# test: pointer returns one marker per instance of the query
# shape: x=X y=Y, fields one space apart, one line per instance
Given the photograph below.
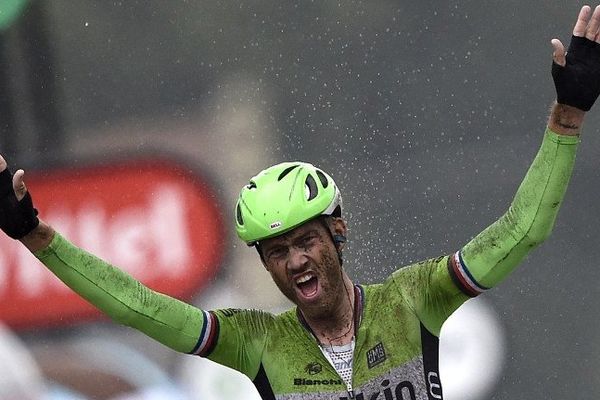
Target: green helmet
x=282 y=197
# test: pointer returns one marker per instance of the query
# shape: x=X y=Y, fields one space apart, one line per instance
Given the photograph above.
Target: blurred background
x=427 y=114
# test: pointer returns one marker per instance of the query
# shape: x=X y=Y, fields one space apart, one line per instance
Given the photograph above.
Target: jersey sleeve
x=435 y=288
x=121 y=297
x=489 y=257
x=234 y=338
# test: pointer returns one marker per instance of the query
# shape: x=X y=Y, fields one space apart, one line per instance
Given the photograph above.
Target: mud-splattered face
x=304 y=265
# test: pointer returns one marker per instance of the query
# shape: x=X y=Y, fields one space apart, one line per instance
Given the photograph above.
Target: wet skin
x=304 y=265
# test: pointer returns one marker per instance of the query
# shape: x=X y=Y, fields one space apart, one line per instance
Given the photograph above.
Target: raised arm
x=491 y=255
x=168 y=320
x=231 y=338
x=494 y=253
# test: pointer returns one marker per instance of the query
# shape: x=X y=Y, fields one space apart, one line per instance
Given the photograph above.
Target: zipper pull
x=350 y=394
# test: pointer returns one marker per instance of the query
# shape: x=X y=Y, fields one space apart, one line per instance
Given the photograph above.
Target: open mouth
x=308 y=285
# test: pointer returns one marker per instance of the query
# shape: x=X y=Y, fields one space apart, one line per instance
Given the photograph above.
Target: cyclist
x=341 y=340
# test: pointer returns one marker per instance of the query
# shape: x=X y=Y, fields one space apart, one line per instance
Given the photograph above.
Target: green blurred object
x=10 y=10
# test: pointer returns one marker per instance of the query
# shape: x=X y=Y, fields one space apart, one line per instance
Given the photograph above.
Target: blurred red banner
x=155 y=219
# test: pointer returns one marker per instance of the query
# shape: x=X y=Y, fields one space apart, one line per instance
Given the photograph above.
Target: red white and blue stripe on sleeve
x=208 y=335
x=462 y=277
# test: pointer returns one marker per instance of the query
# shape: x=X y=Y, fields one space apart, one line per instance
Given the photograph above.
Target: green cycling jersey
x=397 y=322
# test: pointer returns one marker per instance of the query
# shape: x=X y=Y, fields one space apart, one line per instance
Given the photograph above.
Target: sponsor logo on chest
x=376 y=355
x=315 y=368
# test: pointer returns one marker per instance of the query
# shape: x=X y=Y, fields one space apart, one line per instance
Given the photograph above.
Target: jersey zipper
x=350 y=391
x=349 y=386
x=358 y=310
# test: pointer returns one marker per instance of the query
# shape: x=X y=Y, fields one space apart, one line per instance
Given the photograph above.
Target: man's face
x=305 y=266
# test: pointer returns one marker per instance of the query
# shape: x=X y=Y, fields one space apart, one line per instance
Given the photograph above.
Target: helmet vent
x=323 y=179
x=286 y=171
x=251 y=185
x=238 y=215
x=311 y=188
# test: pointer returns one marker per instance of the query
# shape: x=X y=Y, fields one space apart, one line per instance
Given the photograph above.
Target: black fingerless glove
x=578 y=82
x=17 y=218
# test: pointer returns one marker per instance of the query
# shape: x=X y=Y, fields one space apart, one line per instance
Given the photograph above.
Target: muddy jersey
x=396 y=343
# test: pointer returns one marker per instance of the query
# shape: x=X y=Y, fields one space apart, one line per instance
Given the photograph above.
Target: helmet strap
x=257 y=247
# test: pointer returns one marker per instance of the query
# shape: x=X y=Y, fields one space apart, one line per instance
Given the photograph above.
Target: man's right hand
x=18 y=217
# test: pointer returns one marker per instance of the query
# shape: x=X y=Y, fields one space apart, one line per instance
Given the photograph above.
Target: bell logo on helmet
x=275 y=225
